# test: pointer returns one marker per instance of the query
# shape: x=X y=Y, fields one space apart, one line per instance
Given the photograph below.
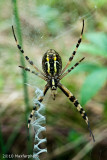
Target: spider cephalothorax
x=52 y=74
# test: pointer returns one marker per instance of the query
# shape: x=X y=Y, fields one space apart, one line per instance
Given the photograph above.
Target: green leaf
x=89 y=67
x=98 y=44
x=92 y=49
x=93 y=84
x=99 y=39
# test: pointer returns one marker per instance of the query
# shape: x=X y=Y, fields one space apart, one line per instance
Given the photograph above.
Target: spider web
x=38 y=40
x=39 y=35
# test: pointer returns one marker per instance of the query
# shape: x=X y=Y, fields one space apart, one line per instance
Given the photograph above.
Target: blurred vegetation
x=54 y=24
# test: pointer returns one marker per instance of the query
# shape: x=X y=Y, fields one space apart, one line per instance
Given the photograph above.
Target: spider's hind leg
x=77 y=105
x=40 y=99
x=37 y=74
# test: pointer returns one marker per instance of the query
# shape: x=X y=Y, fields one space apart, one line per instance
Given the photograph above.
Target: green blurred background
x=56 y=24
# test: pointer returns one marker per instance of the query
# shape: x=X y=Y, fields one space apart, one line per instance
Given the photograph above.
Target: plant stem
x=24 y=75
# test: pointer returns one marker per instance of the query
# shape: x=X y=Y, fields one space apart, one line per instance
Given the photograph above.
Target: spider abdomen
x=51 y=63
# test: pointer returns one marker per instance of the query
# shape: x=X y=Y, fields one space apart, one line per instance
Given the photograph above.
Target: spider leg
x=22 y=51
x=69 y=70
x=77 y=105
x=74 y=52
x=37 y=74
x=40 y=99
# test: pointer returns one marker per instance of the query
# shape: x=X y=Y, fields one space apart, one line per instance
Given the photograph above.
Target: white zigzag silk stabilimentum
x=37 y=124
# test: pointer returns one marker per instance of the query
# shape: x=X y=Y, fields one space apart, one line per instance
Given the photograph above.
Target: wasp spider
x=52 y=74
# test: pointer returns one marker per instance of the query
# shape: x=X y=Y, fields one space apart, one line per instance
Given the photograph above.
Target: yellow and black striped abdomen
x=51 y=63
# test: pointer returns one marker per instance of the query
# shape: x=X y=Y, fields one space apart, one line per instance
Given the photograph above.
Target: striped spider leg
x=40 y=99
x=69 y=70
x=35 y=73
x=26 y=57
x=74 y=52
x=77 y=105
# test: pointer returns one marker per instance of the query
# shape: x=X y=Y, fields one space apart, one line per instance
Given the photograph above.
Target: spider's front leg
x=40 y=99
x=26 y=57
x=74 y=52
x=77 y=105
